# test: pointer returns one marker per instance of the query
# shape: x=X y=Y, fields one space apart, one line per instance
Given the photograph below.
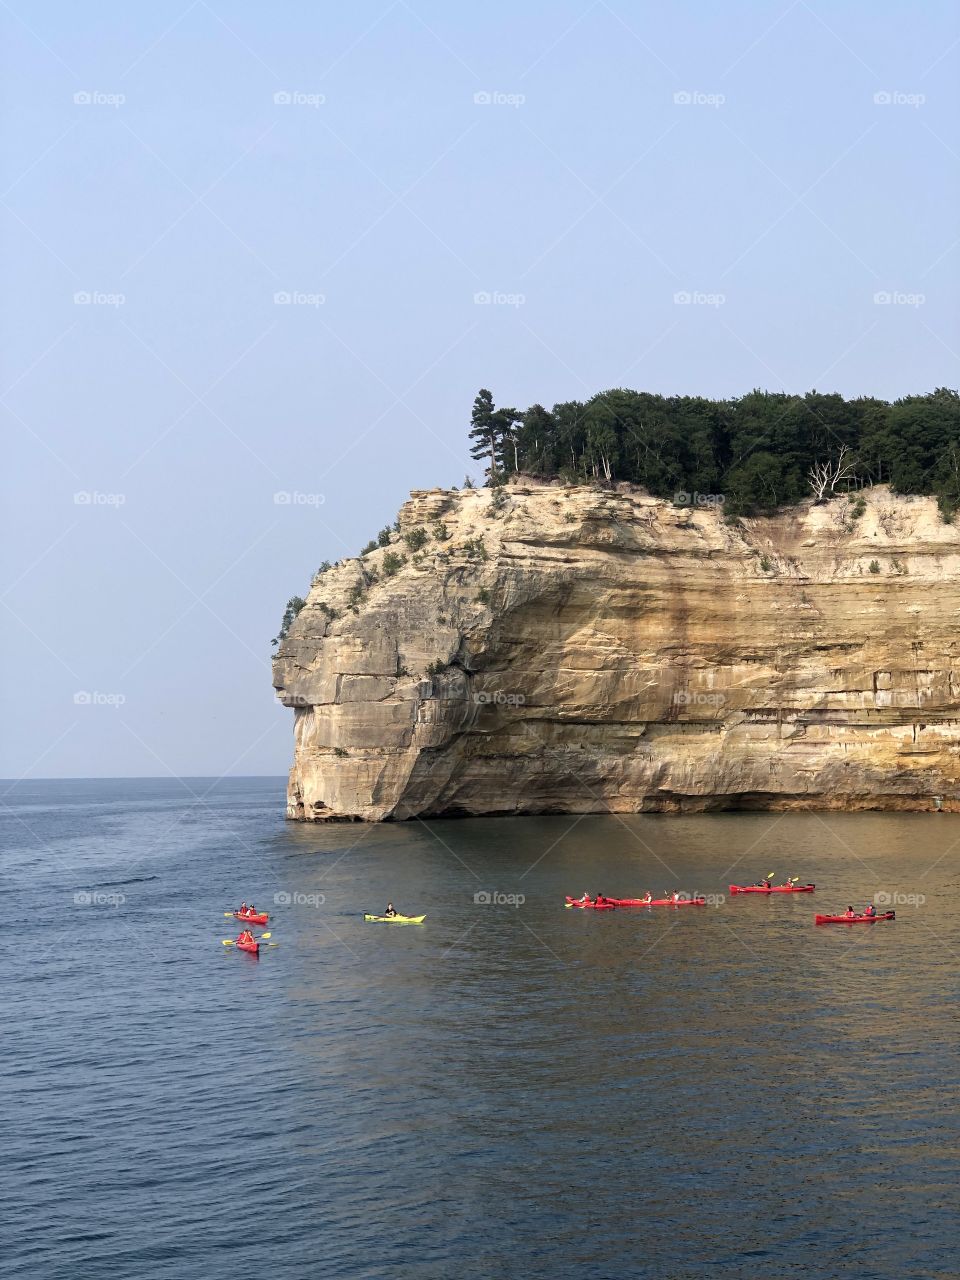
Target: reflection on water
x=513 y=1089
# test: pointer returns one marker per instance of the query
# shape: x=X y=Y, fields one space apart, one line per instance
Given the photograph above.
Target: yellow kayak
x=396 y=919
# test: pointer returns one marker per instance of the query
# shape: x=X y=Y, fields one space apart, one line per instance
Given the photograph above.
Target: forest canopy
x=764 y=450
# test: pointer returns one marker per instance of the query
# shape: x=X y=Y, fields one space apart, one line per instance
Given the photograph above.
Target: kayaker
x=243 y=908
x=586 y=897
x=251 y=910
x=599 y=900
x=850 y=913
x=870 y=909
x=391 y=910
x=245 y=936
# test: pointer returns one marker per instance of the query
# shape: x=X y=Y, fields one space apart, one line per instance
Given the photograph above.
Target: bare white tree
x=823 y=477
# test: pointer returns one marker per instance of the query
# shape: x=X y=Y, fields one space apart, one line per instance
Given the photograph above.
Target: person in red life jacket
x=870 y=909
x=251 y=910
x=850 y=913
x=599 y=900
x=648 y=896
x=245 y=936
x=586 y=897
x=243 y=909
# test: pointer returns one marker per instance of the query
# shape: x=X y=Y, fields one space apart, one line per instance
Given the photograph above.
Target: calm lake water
x=508 y=1091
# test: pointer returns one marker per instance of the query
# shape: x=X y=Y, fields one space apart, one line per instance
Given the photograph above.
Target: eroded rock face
x=577 y=650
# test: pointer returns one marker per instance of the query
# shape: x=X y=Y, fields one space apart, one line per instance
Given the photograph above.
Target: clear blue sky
x=583 y=191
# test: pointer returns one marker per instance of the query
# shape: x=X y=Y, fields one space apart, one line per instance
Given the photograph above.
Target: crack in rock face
x=577 y=650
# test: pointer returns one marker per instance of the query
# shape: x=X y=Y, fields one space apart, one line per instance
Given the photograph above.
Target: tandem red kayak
x=636 y=902
x=252 y=947
x=261 y=917
x=884 y=915
x=773 y=888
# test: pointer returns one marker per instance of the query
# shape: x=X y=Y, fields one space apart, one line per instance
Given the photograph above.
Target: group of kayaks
x=248 y=917
x=600 y=902
x=245 y=941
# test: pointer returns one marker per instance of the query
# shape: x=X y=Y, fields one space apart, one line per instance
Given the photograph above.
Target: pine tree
x=484 y=426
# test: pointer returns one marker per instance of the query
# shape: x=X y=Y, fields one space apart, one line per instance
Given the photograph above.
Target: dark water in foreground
x=509 y=1091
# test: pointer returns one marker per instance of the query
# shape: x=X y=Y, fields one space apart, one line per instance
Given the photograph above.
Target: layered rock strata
x=574 y=650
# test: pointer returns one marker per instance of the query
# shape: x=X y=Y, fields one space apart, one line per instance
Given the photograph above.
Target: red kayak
x=883 y=915
x=261 y=917
x=253 y=947
x=773 y=888
x=636 y=902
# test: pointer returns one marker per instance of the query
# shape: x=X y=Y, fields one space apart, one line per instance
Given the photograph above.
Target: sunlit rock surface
x=573 y=650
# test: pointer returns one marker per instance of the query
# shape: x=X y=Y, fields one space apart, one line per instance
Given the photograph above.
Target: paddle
x=770 y=876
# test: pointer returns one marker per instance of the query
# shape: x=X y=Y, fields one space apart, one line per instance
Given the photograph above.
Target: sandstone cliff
x=576 y=650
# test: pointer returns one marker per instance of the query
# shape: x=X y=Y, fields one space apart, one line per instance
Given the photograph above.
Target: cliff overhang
x=552 y=649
